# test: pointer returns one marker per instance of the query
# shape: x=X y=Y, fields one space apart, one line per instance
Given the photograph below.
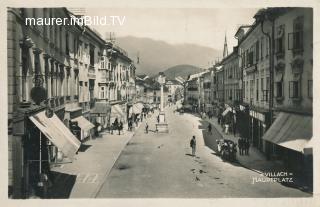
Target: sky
x=205 y=27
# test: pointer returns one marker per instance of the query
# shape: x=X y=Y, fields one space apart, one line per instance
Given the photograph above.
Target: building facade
x=254 y=51
x=53 y=71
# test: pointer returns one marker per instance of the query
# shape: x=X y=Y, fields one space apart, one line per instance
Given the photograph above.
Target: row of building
x=263 y=88
x=63 y=82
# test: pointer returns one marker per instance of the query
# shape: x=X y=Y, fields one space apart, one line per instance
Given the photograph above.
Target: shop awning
x=226 y=111
x=116 y=111
x=101 y=108
x=83 y=123
x=291 y=131
x=57 y=133
x=137 y=108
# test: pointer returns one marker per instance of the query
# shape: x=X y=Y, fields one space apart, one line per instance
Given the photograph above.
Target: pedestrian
x=158 y=118
x=210 y=128
x=240 y=146
x=146 y=127
x=129 y=125
x=247 y=146
x=193 y=144
x=120 y=127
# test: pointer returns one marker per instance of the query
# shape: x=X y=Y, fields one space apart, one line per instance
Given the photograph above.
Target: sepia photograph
x=193 y=103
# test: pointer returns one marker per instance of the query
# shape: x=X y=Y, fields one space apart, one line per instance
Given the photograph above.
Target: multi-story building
x=42 y=72
x=254 y=55
x=195 y=91
x=207 y=81
x=52 y=72
x=173 y=87
x=287 y=139
x=116 y=84
x=232 y=78
x=219 y=83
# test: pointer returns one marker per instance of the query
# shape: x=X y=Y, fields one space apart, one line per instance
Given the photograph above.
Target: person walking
x=120 y=127
x=247 y=146
x=193 y=144
x=240 y=146
x=210 y=128
x=146 y=127
x=158 y=118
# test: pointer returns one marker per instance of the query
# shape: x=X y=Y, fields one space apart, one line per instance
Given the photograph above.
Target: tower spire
x=225 y=47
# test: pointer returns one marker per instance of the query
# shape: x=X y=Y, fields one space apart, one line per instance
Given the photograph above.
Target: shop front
x=259 y=123
x=287 y=140
x=243 y=121
x=102 y=113
x=35 y=129
x=84 y=126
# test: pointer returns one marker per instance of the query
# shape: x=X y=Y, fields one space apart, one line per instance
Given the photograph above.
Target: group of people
x=116 y=125
x=243 y=145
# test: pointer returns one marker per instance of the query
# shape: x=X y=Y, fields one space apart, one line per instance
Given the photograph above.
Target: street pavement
x=160 y=165
x=84 y=175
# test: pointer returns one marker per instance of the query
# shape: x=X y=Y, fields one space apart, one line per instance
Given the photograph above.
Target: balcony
x=251 y=69
x=61 y=100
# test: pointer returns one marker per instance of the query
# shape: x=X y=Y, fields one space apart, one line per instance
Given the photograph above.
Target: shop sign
x=257 y=115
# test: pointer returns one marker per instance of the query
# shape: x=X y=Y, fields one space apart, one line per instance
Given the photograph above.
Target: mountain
x=181 y=70
x=156 y=56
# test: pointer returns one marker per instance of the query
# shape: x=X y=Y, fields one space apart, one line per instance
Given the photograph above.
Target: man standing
x=247 y=146
x=146 y=127
x=240 y=145
x=193 y=144
x=210 y=128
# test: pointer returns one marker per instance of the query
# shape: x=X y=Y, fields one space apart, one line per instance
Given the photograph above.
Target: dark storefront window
x=294 y=89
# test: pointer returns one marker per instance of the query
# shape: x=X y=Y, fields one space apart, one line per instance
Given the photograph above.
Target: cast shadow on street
x=84 y=147
x=62 y=185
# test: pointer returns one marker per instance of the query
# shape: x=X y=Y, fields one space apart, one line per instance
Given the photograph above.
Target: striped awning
x=83 y=123
x=291 y=131
x=57 y=133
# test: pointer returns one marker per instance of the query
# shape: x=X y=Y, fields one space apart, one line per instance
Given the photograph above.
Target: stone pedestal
x=162 y=126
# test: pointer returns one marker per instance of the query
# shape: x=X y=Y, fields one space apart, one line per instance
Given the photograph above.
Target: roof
x=173 y=82
x=197 y=75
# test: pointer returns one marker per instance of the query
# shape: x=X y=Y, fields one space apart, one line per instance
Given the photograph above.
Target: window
x=102 y=93
x=265 y=95
x=310 y=87
x=295 y=39
x=261 y=48
x=267 y=47
x=294 y=91
x=279 y=89
x=60 y=38
x=251 y=90
x=250 y=57
x=67 y=43
x=91 y=56
x=257 y=90
x=268 y=83
x=280 y=40
x=257 y=51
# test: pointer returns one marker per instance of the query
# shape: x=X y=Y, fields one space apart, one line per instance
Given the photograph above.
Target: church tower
x=225 y=47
